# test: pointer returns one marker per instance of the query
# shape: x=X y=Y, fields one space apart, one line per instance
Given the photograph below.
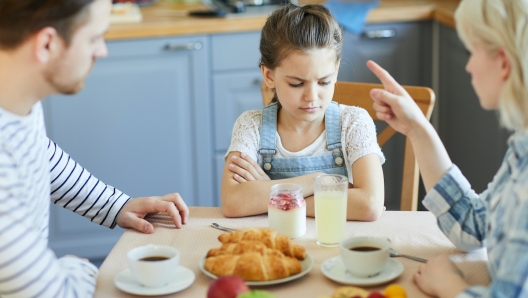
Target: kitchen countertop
x=161 y=19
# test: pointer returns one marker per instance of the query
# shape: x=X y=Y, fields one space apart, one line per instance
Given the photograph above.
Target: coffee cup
x=153 y=265
x=365 y=256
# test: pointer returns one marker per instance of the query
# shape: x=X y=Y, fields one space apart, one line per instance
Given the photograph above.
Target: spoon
x=394 y=253
x=217 y=226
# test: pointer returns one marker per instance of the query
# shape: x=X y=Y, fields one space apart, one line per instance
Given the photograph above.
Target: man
x=48 y=47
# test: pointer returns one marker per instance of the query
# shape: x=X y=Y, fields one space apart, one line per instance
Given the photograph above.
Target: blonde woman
x=496 y=34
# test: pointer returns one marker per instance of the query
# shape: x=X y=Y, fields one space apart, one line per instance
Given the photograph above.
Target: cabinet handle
x=257 y=82
x=183 y=47
x=376 y=34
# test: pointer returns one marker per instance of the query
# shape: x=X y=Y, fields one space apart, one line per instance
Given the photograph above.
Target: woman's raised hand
x=393 y=104
x=246 y=169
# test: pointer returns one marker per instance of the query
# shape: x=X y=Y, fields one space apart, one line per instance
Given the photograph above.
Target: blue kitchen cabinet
x=141 y=124
x=471 y=135
x=234 y=94
x=237 y=84
x=404 y=49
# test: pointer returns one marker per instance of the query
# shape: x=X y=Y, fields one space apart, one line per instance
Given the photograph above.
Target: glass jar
x=287 y=210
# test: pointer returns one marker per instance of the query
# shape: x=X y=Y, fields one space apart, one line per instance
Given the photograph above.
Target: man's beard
x=66 y=87
x=70 y=89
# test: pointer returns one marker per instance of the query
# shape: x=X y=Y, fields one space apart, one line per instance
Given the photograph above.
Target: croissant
x=242 y=247
x=269 y=237
x=253 y=266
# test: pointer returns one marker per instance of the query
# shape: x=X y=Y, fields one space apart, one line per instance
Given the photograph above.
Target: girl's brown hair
x=298 y=28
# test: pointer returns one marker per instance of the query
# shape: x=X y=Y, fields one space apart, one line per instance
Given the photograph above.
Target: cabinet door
x=133 y=127
x=235 y=51
x=234 y=93
x=472 y=136
x=219 y=163
x=403 y=49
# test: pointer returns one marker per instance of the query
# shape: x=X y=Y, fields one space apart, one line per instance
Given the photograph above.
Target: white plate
x=306 y=264
x=334 y=269
x=126 y=283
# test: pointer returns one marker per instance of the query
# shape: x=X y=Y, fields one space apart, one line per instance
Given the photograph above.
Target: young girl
x=495 y=32
x=302 y=134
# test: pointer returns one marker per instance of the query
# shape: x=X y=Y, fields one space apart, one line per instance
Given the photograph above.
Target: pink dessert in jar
x=287 y=210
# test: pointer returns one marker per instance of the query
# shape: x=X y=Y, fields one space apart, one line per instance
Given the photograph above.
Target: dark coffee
x=364 y=248
x=154 y=259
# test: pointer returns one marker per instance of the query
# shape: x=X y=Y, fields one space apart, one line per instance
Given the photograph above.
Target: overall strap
x=333 y=132
x=268 y=131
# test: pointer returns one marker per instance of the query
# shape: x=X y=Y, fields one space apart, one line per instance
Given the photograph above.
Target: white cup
x=153 y=273
x=361 y=261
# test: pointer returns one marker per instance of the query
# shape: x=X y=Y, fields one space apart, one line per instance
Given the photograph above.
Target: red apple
x=228 y=286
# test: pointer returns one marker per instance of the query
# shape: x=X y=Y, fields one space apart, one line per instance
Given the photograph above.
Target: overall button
x=339 y=161
x=267 y=166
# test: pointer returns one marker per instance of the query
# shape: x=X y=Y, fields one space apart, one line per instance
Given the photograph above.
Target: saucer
x=335 y=270
x=126 y=283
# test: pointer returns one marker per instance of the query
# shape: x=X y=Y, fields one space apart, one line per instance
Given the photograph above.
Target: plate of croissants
x=261 y=256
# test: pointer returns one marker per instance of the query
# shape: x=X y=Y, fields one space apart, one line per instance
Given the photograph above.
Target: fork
x=217 y=226
x=394 y=253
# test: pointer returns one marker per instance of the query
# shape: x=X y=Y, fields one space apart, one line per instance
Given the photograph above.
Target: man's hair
x=19 y=19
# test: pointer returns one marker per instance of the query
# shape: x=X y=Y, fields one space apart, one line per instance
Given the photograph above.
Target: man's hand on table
x=132 y=214
x=440 y=277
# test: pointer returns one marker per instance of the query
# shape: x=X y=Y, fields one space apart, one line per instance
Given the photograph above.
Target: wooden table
x=414 y=233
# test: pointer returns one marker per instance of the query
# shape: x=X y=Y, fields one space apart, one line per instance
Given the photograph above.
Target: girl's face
x=304 y=82
x=488 y=73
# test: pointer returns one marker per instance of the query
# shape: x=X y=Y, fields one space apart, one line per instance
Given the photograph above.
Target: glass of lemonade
x=331 y=195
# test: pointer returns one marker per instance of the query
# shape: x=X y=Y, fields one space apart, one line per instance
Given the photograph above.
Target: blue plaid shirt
x=497 y=219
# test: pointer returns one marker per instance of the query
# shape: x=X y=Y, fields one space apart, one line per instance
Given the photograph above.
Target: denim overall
x=281 y=168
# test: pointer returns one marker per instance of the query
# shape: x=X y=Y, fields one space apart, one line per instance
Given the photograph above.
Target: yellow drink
x=330 y=217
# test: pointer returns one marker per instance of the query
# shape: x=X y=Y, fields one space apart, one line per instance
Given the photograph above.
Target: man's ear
x=505 y=64
x=267 y=74
x=47 y=44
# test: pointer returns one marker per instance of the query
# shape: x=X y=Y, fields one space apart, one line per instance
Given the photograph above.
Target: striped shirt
x=497 y=219
x=33 y=171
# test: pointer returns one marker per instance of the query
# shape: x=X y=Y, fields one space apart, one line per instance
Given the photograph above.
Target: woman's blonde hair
x=501 y=24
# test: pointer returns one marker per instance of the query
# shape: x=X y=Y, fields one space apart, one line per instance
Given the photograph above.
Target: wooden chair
x=358 y=94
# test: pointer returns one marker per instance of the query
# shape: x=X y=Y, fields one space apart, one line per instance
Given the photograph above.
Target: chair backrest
x=358 y=94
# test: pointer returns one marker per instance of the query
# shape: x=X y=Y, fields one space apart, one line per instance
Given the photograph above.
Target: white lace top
x=358 y=137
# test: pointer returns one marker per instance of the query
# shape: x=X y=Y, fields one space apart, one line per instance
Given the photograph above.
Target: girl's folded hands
x=246 y=169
